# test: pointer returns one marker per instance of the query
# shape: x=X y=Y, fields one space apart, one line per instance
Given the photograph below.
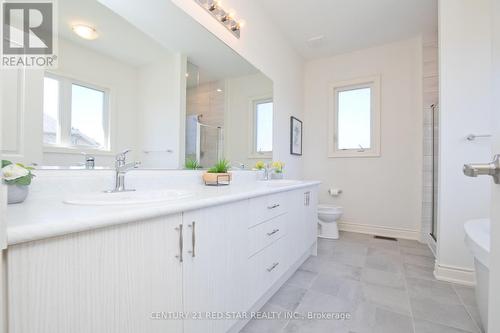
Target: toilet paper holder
x=334 y=192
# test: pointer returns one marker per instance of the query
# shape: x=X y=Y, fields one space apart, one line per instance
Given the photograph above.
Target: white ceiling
x=164 y=28
x=117 y=38
x=348 y=25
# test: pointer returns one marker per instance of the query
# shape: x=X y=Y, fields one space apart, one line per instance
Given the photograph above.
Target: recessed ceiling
x=348 y=25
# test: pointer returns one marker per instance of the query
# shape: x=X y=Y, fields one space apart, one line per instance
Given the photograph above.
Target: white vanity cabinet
x=214 y=265
x=103 y=280
x=137 y=277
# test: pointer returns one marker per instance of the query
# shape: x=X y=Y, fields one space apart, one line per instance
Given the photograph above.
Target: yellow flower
x=260 y=165
x=278 y=166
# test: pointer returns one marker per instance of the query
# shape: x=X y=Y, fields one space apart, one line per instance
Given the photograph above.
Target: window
x=262 y=127
x=354 y=119
x=75 y=114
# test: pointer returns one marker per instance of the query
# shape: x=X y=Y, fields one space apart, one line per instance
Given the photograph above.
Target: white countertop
x=50 y=217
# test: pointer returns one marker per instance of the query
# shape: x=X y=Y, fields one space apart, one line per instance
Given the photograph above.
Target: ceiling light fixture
x=226 y=18
x=85 y=31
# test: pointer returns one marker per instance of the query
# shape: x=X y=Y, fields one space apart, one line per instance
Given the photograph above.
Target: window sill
x=256 y=156
x=353 y=153
x=76 y=151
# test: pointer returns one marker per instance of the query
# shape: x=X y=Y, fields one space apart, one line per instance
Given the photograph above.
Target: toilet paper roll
x=334 y=192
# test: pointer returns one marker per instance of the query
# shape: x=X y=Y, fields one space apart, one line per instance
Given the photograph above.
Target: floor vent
x=386 y=238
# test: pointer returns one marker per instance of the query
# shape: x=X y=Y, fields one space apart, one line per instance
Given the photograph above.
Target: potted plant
x=192 y=164
x=18 y=178
x=218 y=174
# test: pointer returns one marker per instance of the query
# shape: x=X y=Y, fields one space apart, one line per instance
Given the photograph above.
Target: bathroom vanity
x=196 y=264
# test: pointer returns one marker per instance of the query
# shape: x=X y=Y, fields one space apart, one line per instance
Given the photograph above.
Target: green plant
x=192 y=164
x=220 y=167
x=16 y=174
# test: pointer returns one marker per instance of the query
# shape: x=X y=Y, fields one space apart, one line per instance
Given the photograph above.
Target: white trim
x=453 y=274
x=372 y=82
x=380 y=230
x=252 y=153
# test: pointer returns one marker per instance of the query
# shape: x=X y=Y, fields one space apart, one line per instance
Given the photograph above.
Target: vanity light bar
x=224 y=17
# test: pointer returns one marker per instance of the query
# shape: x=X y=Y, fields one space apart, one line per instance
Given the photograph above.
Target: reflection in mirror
x=228 y=117
x=123 y=85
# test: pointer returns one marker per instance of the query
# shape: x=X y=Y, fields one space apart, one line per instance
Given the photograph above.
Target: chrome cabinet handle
x=273 y=232
x=181 y=245
x=273 y=206
x=270 y=269
x=193 y=239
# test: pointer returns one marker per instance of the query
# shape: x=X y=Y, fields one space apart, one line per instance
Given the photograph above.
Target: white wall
x=241 y=92
x=160 y=113
x=383 y=193
x=494 y=319
x=465 y=83
x=86 y=65
x=264 y=46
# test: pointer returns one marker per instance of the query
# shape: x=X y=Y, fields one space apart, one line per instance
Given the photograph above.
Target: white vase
x=17 y=193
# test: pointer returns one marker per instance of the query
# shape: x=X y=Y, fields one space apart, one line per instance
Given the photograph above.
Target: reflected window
x=87 y=117
x=51 y=130
x=75 y=114
x=263 y=126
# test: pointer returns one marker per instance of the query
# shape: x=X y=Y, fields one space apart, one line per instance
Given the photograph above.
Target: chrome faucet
x=89 y=162
x=268 y=170
x=121 y=168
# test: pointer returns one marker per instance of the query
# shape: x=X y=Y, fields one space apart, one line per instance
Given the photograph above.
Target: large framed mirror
x=168 y=92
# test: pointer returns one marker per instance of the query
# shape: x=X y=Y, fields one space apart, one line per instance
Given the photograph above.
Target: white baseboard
x=457 y=275
x=380 y=231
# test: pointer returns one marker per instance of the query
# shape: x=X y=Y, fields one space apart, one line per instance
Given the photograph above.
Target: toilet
x=328 y=217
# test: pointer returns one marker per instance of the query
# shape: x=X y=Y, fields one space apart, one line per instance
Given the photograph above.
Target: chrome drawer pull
x=270 y=269
x=181 y=245
x=273 y=206
x=193 y=239
x=273 y=232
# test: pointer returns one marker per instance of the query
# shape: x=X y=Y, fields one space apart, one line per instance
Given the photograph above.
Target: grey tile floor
x=386 y=286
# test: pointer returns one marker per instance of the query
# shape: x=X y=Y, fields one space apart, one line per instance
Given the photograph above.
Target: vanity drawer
x=266 y=267
x=266 y=207
x=264 y=234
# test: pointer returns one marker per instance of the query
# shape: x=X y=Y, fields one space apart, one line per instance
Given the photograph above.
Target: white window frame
x=253 y=153
x=372 y=82
x=64 y=112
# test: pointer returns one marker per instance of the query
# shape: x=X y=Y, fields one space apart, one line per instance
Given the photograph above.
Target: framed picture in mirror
x=295 y=136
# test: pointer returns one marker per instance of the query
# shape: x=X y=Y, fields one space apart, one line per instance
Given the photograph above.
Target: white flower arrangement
x=16 y=173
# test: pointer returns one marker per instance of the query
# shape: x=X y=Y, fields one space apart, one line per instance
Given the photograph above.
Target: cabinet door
x=213 y=266
x=111 y=280
x=303 y=222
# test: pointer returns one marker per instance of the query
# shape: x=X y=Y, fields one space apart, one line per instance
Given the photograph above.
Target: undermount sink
x=128 y=198
x=281 y=182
